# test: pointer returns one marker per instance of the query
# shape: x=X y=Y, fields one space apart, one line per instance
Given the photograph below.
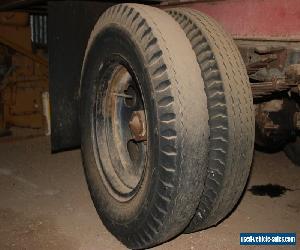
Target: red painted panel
x=256 y=18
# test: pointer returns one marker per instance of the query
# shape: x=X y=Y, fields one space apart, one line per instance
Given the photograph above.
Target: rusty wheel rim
x=123 y=133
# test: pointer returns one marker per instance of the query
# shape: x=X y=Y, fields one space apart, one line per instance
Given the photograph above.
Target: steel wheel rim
x=123 y=163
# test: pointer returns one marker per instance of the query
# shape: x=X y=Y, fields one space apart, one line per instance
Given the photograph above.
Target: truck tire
x=292 y=151
x=144 y=125
x=231 y=116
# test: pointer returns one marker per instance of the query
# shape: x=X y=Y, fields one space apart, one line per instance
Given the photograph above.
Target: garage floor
x=45 y=203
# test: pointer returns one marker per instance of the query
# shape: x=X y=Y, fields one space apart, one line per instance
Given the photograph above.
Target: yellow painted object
x=23 y=75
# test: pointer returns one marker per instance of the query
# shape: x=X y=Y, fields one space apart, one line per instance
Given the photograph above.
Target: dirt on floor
x=45 y=203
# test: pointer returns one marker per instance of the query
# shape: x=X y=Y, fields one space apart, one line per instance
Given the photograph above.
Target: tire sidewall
x=120 y=218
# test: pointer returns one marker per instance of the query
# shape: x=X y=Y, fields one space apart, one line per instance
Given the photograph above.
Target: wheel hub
x=137 y=125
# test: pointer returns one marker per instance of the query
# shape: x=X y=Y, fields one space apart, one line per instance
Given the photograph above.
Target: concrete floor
x=45 y=203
